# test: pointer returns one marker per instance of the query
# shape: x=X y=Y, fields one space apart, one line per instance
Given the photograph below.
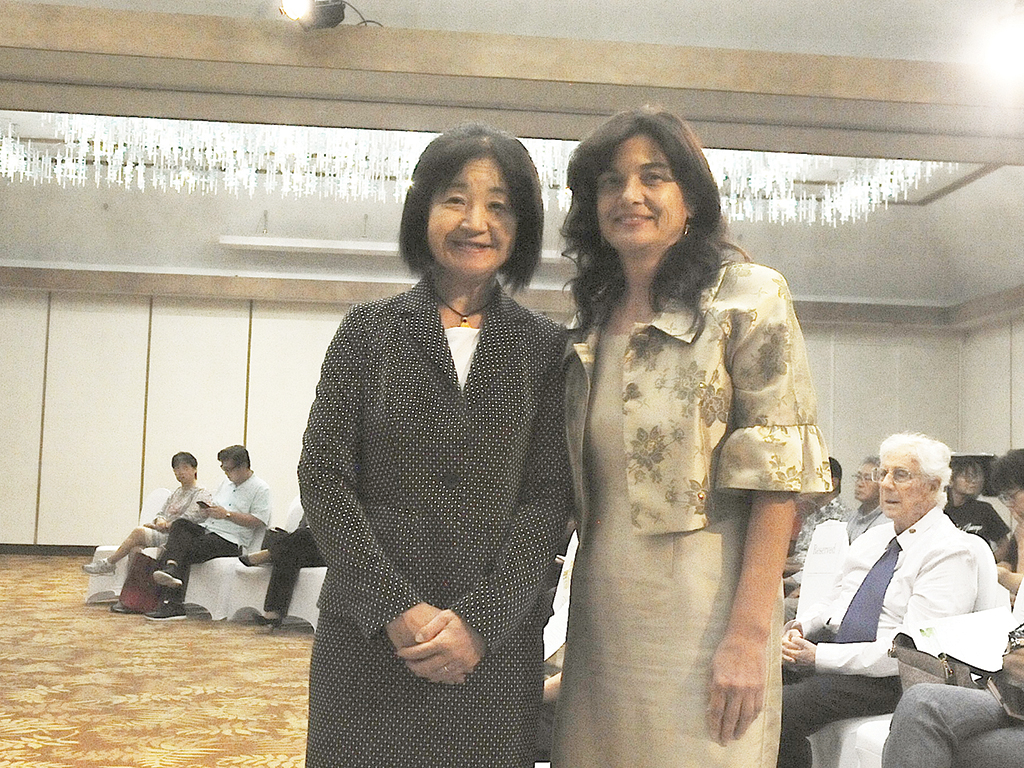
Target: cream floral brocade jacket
x=715 y=405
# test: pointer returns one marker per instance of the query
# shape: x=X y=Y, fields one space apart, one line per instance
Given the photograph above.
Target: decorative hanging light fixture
x=199 y=157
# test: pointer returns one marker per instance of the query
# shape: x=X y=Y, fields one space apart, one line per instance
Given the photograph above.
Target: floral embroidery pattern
x=646 y=454
x=780 y=475
x=715 y=405
x=646 y=348
x=771 y=356
x=726 y=406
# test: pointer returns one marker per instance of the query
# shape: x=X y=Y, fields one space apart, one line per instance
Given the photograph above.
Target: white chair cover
x=555 y=629
x=210 y=584
x=991 y=594
x=825 y=556
x=106 y=587
x=294 y=514
x=870 y=739
x=307 y=592
x=835 y=745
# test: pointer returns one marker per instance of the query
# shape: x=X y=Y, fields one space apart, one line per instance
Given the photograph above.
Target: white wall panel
x=22 y=362
x=820 y=355
x=197 y=385
x=929 y=385
x=1016 y=384
x=288 y=346
x=92 y=428
x=867 y=402
x=881 y=381
x=985 y=392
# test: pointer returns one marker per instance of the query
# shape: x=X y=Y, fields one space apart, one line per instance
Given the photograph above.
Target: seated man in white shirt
x=914 y=568
x=241 y=508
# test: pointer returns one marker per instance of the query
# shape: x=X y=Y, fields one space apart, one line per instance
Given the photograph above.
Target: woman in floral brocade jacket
x=691 y=423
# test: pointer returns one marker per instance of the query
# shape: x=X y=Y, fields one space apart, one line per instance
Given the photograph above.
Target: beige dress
x=647 y=613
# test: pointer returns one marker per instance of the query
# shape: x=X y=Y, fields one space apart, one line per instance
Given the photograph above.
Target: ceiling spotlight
x=1004 y=52
x=315 y=14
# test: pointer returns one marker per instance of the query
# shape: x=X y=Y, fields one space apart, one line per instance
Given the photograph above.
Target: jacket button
x=450 y=480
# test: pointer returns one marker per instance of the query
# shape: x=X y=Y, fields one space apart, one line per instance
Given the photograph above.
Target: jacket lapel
x=501 y=345
x=423 y=324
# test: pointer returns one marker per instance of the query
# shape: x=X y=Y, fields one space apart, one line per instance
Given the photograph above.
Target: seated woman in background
x=963 y=507
x=1008 y=479
x=181 y=503
x=287 y=555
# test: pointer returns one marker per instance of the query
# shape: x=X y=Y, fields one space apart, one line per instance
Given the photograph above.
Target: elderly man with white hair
x=914 y=568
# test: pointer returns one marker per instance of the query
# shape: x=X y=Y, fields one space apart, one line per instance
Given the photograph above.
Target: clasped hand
x=797 y=651
x=436 y=645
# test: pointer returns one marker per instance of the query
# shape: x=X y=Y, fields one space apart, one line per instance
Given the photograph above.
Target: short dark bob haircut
x=184 y=457
x=1008 y=472
x=441 y=162
x=689 y=266
x=236 y=454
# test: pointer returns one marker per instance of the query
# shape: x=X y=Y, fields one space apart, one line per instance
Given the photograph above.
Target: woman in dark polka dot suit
x=435 y=480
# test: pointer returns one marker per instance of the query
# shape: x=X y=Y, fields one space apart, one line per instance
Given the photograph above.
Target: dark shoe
x=168 y=577
x=167 y=612
x=120 y=607
x=266 y=621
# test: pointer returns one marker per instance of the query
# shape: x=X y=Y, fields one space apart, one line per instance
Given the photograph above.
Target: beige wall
x=116 y=384
x=22 y=370
x=197 y=385
x=100 y=390
x=288 y=346
x=95 y=397
x=992 y=398
x=873 y=381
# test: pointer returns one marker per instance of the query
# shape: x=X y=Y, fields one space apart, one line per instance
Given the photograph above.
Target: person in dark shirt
x=964 y=508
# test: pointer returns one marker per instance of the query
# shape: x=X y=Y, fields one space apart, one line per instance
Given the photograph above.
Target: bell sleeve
x=775 y=444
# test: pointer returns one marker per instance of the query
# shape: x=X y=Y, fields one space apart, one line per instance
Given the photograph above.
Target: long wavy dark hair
x=689 y=266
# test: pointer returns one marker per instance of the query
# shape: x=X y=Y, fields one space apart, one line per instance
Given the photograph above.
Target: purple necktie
x=860 y=624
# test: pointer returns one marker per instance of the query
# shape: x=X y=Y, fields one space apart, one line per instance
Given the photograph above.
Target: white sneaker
x=99 y=567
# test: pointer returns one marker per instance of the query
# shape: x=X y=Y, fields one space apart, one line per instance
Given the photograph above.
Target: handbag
x=1003 y=686
x=140 y=593
x=919 y=667
x=1009 y=694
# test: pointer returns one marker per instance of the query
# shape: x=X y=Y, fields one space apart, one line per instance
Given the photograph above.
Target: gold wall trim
x=553 y=302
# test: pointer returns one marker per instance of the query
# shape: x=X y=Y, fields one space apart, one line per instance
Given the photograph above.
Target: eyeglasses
x=864 y=477
x=900 y=476
x=1008 y=497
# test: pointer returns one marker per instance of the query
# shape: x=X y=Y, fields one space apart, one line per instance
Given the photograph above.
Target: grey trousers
x=941 y=726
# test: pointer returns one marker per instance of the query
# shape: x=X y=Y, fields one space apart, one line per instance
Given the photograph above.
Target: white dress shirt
x=936 y=575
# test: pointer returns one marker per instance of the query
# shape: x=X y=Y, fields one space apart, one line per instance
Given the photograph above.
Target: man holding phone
x=240 y=510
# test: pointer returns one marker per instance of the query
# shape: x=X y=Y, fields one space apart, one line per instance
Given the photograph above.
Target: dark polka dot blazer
x=419 y=492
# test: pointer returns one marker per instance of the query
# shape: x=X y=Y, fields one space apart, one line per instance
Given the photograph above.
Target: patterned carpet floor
x=81 y=687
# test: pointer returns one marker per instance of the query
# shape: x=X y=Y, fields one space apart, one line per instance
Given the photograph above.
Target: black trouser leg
x=288 y=556
x=820 y=699
x=189 y=543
